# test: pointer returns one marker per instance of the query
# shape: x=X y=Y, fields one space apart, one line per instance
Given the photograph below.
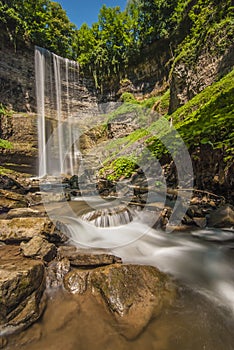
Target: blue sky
x=80 y=11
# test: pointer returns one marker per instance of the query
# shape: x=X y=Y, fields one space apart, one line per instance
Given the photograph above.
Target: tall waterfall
x=57 y=84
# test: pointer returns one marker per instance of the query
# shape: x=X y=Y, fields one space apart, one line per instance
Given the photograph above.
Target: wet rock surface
x=222 y=217
x=24 y=212
x=8 y=183
x=82 y=257
x=11 y=200
x=23 y=229
x=3 y=342
x=56 y=271
x=22 y=283
x=39 y=248
x=132 y=293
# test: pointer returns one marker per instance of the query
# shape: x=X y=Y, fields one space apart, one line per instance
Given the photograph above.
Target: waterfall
x=109 y=217
x=57 y=85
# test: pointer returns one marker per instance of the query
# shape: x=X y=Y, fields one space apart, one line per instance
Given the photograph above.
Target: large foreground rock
x=22 y=283
x=23 y=229
x=133 y=293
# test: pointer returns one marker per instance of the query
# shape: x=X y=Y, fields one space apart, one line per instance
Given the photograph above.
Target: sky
x=81 y=11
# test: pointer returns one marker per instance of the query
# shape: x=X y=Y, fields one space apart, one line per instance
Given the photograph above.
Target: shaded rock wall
x=17 y=83
x=188 y=79
x=21 y=130
x=212 y=173
x=146 y=74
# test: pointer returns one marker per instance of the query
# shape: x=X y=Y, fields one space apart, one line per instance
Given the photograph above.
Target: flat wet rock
x=82 y=257
x=39 y=248
x=11 y=200
x=24 y=212
x=23 y=229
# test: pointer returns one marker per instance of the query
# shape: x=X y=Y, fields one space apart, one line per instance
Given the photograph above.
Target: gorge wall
x=21 y=130
x=17 y=83
x=189 y=78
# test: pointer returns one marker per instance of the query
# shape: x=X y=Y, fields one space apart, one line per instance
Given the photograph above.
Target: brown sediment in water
x=80 y=322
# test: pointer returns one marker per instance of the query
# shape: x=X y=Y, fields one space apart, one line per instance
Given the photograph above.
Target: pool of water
x=70 y=322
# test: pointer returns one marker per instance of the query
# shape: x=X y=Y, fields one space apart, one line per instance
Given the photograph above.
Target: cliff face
x=21 y=130
x=187 y=79
x=17 y=83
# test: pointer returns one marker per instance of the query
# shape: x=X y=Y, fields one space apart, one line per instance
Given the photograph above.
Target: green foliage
x=3 y=110
x=128 y=97
x=118 y=37
x=211 y=24
x=42 y=22
x=5 y=171
x=123 y=110
x=5 y=144
x=121 y=167
x=205 y=119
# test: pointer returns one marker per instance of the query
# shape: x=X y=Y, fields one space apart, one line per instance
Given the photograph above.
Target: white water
x=205 y=266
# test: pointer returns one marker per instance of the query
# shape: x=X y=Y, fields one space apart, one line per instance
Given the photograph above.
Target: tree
x=42 y=22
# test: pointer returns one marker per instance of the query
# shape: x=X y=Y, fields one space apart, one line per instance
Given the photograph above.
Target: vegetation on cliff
x=206 y=119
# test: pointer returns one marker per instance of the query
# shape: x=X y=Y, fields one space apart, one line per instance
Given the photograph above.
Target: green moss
x=128 y=97
x=211 y=31
x=121 y=167
x=5 y=144
x=5 y=171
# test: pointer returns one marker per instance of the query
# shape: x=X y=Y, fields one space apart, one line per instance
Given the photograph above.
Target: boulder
x=7 y=183
x=221 y=217
x=132 y=293
x=24 y=212
x=23 y=229
x=83 y=258
x=11 y=200
x=39 y=248
x=200 y=222
x=22 y=283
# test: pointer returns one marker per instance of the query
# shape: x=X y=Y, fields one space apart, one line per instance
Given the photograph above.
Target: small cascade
x=57 y=85
x=109 y=217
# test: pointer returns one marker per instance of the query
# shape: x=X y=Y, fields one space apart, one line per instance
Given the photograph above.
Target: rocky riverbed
x=37 y=258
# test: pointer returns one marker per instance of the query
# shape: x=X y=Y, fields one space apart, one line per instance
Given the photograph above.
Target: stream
x=199 y=261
